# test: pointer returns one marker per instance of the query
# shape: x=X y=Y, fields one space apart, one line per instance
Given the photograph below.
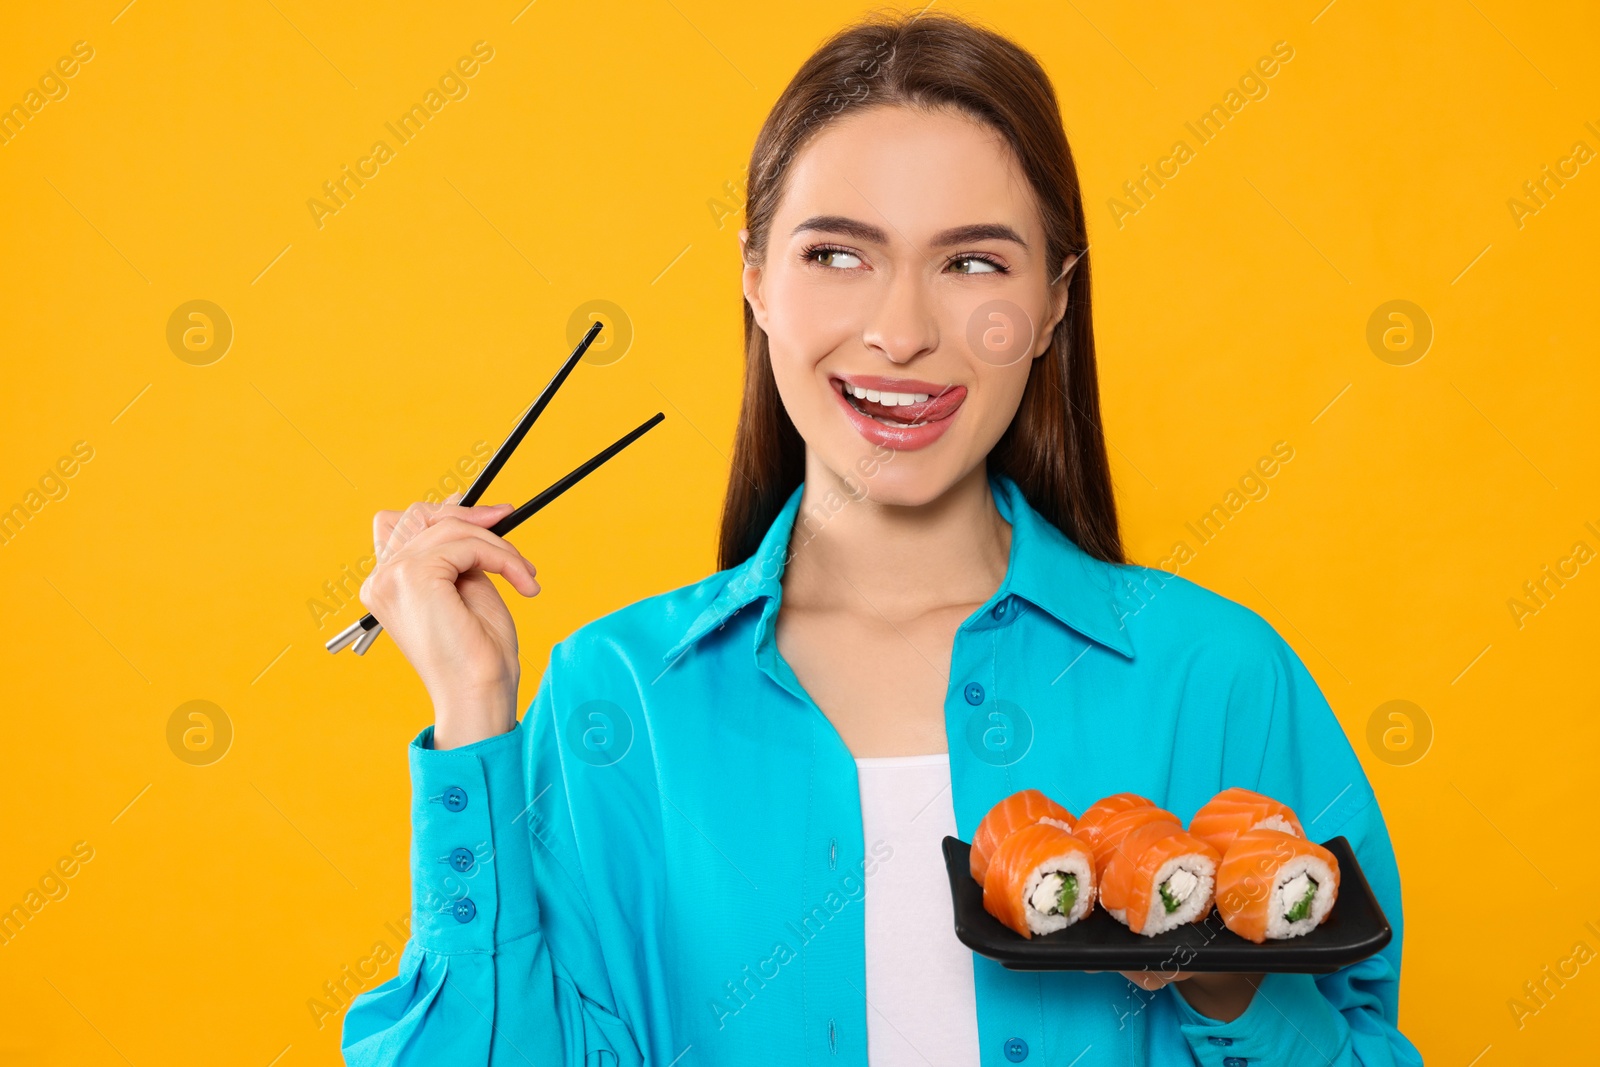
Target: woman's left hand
x=1223 y=997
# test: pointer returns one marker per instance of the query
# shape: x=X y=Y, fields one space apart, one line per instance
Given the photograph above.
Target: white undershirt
x=921 y=1009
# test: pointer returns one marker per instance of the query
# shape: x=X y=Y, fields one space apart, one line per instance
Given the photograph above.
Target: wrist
x=463 y=718
x=1223 y=997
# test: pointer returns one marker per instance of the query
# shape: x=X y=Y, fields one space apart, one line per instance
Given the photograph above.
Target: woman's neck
x=903 y=561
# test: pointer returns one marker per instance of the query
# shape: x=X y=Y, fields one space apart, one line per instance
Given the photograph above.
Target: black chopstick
x=361 y=632
x=578 y=474
x=525 y=423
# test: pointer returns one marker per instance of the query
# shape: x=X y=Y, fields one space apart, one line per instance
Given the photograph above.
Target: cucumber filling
x=1055 y=894
x=1069 y=894
x=1176 y=889
x=1302 y=907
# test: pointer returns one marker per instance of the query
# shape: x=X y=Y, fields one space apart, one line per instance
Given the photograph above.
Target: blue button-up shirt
x=667 y=856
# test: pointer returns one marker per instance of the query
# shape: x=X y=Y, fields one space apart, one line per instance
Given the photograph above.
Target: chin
x=899 y=479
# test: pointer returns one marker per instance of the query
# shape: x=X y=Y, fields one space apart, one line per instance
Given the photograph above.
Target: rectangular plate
x=1354 y=930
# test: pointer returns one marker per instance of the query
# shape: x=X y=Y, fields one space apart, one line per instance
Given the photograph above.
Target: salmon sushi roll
x=1020 y=809
x=1160 y=878
x=1095 y=816
x=1040 y=880
x=1233 y=811
x=1274 y=885
x=1114 y=829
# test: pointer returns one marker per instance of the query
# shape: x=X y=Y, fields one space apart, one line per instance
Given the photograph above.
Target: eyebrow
x=956 y=235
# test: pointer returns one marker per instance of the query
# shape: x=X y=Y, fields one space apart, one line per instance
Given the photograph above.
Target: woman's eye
x=974 y=265
x=834 y=257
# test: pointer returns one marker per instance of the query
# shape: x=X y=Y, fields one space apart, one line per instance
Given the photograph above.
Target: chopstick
x=364 y=631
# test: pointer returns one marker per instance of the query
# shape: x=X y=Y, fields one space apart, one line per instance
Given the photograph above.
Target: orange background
x=598 y=155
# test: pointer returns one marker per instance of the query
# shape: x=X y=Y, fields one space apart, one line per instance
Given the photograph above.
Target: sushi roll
x=1091 y=822
x=1160 y=878
x=1010 y=815
x=1274 y=885
x=1040 y=880
x=1233 y=811
x=1114 y=829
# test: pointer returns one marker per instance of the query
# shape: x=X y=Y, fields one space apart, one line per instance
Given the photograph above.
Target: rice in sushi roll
x=1041 y=879
x=1274 y=885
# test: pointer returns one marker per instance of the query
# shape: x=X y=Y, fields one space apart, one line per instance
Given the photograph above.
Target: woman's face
x=905 y=293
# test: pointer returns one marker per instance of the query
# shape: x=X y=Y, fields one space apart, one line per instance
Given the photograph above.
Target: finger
x=391 y=530
x=467 y=554
x=449 y=529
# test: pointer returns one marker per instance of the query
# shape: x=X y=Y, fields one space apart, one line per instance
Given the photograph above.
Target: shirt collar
x=1046 y=569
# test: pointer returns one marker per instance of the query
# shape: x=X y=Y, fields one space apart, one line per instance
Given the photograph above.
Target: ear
x=1058 y=303
x=752 y=282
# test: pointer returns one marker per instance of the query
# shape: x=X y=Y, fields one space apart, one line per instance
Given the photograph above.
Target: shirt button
x=461 y=859
x=1000 y=610
x=455 y=798
x=1016 y=1050
x=1235 y=1061
x=974 y=693
x=464 y=910
x=1220 y=1040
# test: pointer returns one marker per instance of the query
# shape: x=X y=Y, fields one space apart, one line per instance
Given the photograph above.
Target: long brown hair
x=1054 y=448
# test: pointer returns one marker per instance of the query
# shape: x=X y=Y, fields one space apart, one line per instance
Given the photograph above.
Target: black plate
x=1353 y=931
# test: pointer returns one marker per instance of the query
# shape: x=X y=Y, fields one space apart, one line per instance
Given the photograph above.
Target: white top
x=921 y=1009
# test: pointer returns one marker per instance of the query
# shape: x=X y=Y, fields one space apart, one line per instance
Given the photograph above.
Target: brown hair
x=1054 y=448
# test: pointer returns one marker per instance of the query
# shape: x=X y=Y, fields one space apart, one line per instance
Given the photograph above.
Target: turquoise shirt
x=663 y=863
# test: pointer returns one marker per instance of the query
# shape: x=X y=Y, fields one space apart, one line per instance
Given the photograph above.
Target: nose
x=902 y=326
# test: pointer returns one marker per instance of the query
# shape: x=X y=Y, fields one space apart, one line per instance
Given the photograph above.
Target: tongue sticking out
x=937 y=406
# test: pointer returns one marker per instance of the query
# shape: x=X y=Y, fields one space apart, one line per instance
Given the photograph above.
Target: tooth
x=906 y=398
x=890 y=400
x=920 y=398
x=874 y=396
x=860 y=393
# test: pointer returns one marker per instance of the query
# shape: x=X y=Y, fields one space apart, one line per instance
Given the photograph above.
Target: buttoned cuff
x=471 y=866
x=1288 y=1021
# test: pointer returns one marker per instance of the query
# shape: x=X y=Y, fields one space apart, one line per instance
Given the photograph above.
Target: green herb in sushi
x=1170 y=902
x=1302 y=907
x=1069 y=894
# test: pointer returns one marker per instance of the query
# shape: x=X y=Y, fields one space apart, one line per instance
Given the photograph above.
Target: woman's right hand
x=431 y=591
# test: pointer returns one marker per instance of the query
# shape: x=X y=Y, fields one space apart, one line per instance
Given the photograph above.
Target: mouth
x=900 y=402
x=901 y=413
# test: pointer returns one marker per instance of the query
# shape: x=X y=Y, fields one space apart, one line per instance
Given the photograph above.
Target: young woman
x=714 y=837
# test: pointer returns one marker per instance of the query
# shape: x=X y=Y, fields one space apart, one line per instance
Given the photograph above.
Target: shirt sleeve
x=478 y=981
x=1352 y=1015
